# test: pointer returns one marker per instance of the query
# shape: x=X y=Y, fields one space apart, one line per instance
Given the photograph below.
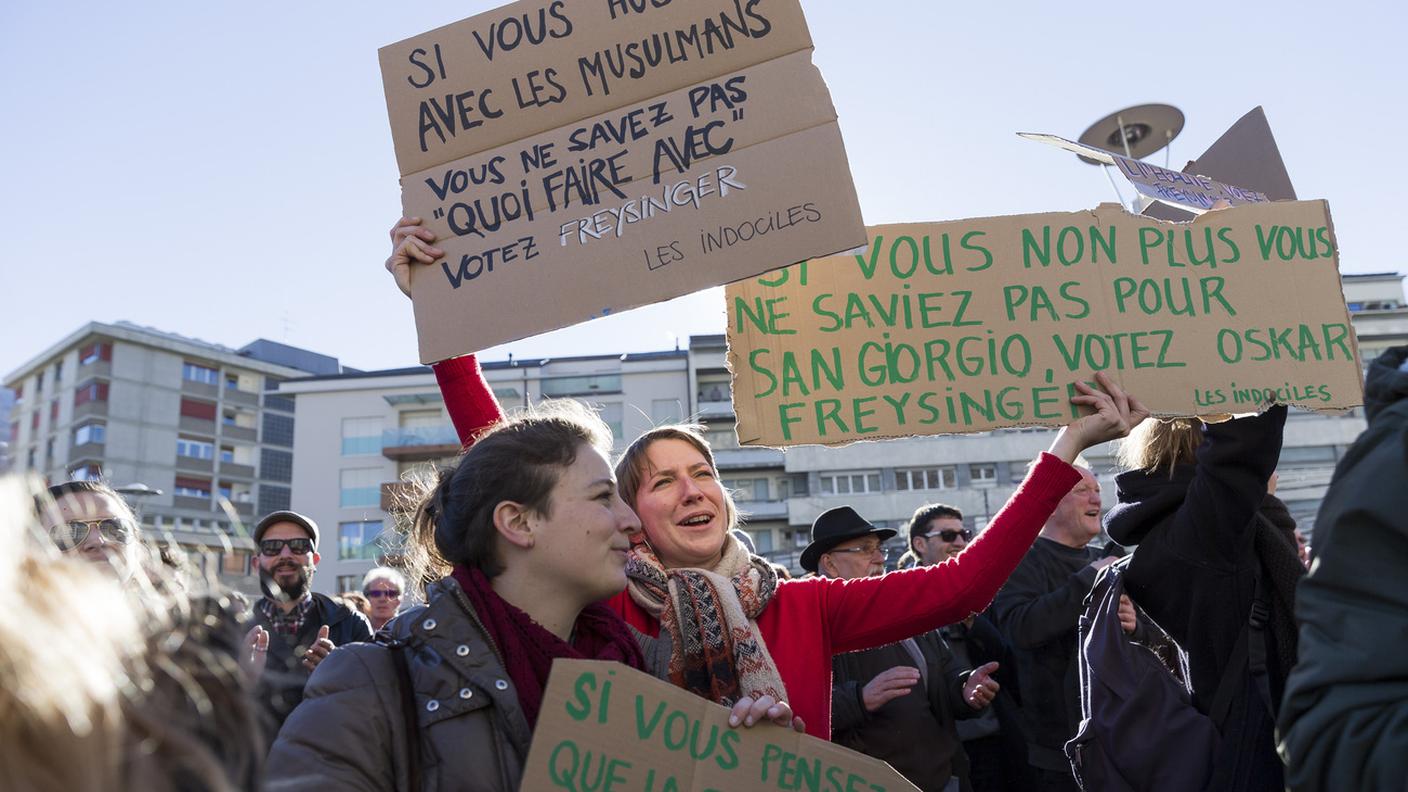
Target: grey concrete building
x=191 y=431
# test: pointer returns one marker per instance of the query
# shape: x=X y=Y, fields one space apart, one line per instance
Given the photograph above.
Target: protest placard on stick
x=605 y=726
x=979 y=324
x=576 y=160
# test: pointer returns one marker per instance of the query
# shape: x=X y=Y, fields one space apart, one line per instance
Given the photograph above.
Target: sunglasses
x=114 y=530
x=879 y=550
x=949 y=535
x=272 y=547
x=379 y=593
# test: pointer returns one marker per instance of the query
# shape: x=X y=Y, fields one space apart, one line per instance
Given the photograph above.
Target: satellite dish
x=1134 y=132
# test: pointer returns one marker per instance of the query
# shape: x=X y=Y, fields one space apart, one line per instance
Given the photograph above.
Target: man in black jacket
x=1037 y=610
x=1346 y=703
x=299 y=628
x=897 y=702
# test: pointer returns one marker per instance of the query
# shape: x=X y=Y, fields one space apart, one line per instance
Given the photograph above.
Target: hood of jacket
x=1146 y=499
x=1386 y=383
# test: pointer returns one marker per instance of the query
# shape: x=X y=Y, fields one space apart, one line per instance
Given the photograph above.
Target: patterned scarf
x=529 y=649
x=711 y=615
x=290 y=623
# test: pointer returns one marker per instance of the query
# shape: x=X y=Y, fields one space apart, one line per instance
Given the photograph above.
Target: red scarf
x=529 y=649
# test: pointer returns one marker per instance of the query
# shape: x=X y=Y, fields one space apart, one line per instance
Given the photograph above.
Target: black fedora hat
x=834 y=526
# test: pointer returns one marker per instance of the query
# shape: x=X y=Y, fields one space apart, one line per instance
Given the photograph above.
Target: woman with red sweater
x=736 y=628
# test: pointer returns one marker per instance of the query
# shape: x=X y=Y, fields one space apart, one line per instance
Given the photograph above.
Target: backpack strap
x=399 y=649
x=1248 y=654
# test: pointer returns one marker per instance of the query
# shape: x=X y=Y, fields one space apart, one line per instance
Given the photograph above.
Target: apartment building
x=188 y=430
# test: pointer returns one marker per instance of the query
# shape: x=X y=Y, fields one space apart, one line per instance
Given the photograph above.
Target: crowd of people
x=970 y=669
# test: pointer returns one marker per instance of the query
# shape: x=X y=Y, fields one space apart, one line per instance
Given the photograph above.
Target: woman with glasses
x=91 y=521
x=687 y=568
x=382 y=587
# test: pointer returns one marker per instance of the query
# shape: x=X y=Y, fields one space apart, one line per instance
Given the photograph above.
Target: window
x=48 y=452
x=983 y=475
x=273 y=498
x=201 y=410
x=748 y=489
x=90 y=392
x=94 y=352
x=713 y=388
x=762 y=541
x=192 y=487
x=849 y=483
x=358 y=540
x=346 y=583
x=932 y=478
x=80 y=473
x=721 y=436
x=54 y=410
x=360 y=487
x=361 y=436
x=273 y=401
x=278 y=429
x=665 y=411
x=612 y=414
x=39 y=383
x=235 y=562
x=232 y=382
x=90 y=433
x=227 y=454
x=32 y=459
x=224 y=489
x=581 y=386
x=195 y=449
x=275 y=465
x=192 y=372
x=58 y=373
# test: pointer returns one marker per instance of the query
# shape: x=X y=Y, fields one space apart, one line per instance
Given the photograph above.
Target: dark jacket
x=1344 y=723
x=1194 y=573
x=280 y=687
x=350 y=732
x=1037 y=610
x=974 y=646
x=915 y=732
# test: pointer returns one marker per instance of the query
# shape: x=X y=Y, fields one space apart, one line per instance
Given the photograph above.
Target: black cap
x=834 y=526
x=306 y=523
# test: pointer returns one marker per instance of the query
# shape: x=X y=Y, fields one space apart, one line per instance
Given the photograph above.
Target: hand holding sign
x=410 y=242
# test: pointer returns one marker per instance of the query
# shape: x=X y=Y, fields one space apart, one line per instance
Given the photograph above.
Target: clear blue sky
x=224 y=170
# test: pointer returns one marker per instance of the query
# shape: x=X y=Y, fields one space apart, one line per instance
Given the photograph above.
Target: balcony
x=85 y=452
x=756 y=510
x=98 y=368
x=420 y=443
x=198 y=426
x=191 y=503
x=741 y=458
x=88 y=409
x=236 y=396
x=201 y=389
x=234 y=470
x=194 y=464
x=233 y=432
x=586 y=385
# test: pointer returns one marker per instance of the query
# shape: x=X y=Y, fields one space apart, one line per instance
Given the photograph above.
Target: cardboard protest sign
x=1161 y=184
x=605 y=727
x=979 y=324
x=576 y=160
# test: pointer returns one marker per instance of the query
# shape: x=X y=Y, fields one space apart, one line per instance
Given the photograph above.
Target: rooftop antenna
x=1136 y=132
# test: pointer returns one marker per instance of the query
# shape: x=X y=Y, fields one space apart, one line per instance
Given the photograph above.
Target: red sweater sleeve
x=874 y=611
x=467 y=395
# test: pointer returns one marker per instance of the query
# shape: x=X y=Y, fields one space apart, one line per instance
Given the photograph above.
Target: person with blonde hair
x=1217 y=568
x=106 y=683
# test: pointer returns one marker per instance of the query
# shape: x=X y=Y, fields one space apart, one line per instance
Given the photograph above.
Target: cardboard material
x=980 y=324
x=577 y=160
x=1185 y=189
x=605 y=727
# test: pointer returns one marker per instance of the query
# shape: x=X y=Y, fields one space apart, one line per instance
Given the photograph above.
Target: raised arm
x=869 y=612
x=468 y=397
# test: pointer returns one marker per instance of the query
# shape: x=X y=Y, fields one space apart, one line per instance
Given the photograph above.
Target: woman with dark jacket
x=533 y=535
x=1211 y=542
